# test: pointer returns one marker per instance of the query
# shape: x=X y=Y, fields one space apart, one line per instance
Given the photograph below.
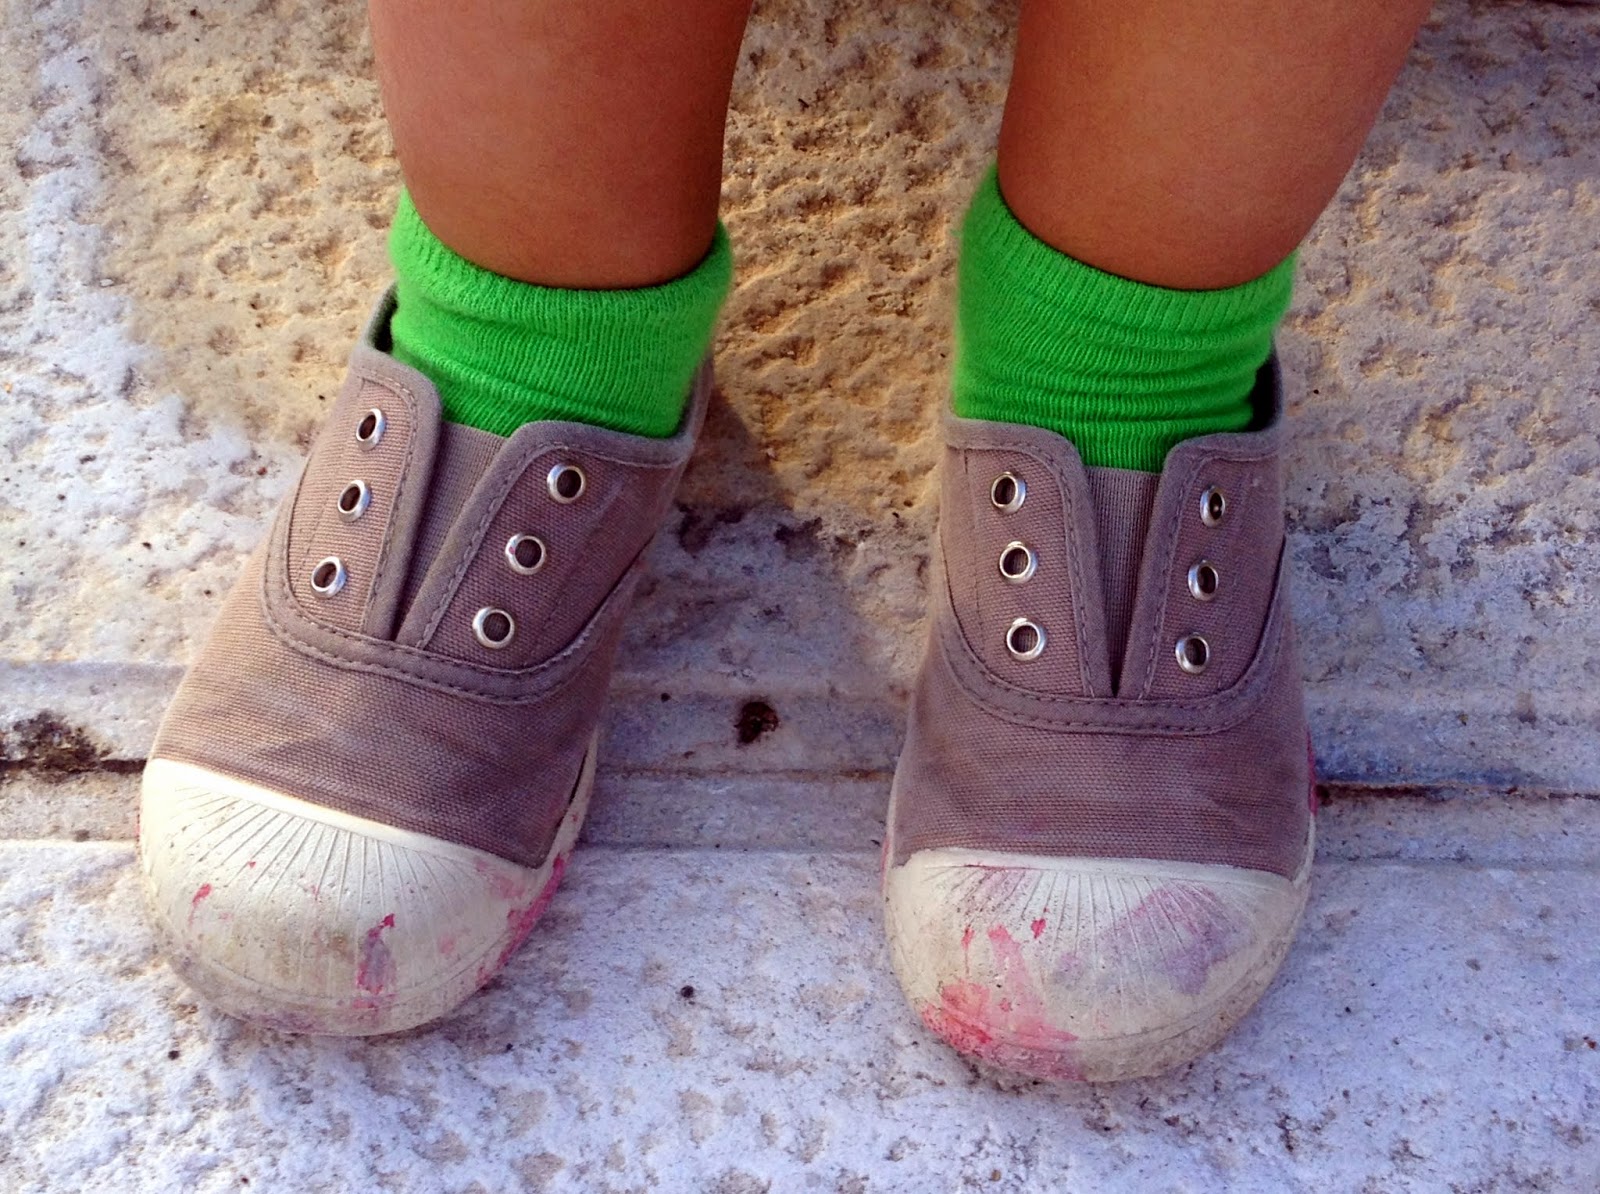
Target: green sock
x=1123 y=369
x=503 y=353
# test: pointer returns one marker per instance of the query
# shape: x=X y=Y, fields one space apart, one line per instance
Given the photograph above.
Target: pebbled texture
x=195 y=226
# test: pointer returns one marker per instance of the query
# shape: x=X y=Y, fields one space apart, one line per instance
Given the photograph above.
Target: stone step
x=725 y=1020
x=645 y=810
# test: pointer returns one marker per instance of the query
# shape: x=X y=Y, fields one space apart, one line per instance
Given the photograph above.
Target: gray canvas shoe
x=364 y=793
x=1100 y=832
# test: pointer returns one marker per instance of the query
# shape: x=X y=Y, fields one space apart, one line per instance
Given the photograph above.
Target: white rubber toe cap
x=1081 y=968
x=306 y=919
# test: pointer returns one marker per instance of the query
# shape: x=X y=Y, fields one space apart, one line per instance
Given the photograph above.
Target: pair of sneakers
x=367 y=787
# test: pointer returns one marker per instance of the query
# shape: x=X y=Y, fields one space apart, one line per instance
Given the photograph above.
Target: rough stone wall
x=194 y=230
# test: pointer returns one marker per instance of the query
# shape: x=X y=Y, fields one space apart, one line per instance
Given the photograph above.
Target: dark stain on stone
x=686 y=992
x=47 y=746
x=800 y=541
x=699 y=525
x=1523 y=707
x=755 y=720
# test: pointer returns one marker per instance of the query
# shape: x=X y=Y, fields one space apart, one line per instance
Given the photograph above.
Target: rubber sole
x=304 y=919
x=1085 y=969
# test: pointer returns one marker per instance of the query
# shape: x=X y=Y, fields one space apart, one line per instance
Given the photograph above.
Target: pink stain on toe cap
x=959 y=1016
x=1038 y=928
x=1005 y=1022
x=375 y=969
x=520 y=921
x=200 y=893
x=971 y=1021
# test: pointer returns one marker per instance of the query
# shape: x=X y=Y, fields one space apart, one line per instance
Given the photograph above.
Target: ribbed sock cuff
x=503 y=353
x=1124 y=369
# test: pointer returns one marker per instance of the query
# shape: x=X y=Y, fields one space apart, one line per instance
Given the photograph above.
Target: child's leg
x=577 y=148
x=570 y=145
x=1159 y=163
x=1100 y=832
x=1191 y=145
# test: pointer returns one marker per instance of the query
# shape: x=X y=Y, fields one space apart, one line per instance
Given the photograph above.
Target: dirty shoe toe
x=1100 y=831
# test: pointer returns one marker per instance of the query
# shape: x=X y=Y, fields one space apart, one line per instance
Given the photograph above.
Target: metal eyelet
x=1193 y=653
x=1008 y=492
x=493 y=628
x=1017 y=562
x=328 y=577
x=525 y=553
x=1203 y=581
x=371 y=428
x=1025 y=640
x=1213 y=505
x=354 y=499
x=566 y=483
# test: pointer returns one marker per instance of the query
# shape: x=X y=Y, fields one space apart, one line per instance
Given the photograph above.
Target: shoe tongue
x=464 y=455
x=1123 y=501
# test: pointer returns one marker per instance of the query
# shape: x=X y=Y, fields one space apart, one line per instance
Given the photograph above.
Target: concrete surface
x=695 y=1015
x=189 y=239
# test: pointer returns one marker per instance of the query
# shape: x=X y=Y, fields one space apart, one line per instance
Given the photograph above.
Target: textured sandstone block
x=195 y=227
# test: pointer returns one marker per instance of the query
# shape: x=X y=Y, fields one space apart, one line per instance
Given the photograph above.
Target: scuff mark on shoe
x=1005 y=1023
x=965 y=1020
x=501 y=885
x=375 y=969
x=200 y=893
x=1193 y=930
x=958 y=1015
x=1030 y=1020
x=1068 y=970
x=291 y=1022
x=522 y=920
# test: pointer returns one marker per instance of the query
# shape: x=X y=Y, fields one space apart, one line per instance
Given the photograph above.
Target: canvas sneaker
x=1101 y=827
x=365 y=790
